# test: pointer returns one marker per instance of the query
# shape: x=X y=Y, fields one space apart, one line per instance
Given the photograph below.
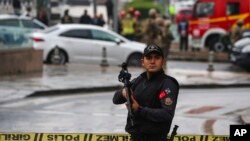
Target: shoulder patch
x=162 y=94
x=168 y=101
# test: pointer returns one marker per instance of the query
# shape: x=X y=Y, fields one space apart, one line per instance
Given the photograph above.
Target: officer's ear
x=142 y=61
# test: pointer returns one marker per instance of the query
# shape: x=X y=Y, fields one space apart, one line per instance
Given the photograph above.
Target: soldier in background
x=138 y=28
x=236 y=32
x=167 y=38
x=66 y=17
x=152 y=30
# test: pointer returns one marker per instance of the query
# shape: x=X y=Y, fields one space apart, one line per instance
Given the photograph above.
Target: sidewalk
x=202 y=55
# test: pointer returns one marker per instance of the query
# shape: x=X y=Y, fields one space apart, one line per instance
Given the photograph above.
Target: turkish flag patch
x=162 y=94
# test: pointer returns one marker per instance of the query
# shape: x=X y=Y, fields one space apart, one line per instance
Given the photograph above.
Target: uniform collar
x=155 y=75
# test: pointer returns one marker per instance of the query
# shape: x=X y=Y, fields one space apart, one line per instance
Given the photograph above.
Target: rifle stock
x=174 y=132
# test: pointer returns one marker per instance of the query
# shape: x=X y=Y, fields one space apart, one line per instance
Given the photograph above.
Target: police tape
x=95 y=137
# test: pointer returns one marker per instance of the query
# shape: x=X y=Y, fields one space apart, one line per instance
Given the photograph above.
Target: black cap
x=153 y=48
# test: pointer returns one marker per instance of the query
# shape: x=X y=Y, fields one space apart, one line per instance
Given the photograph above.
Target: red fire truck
x=213 y=18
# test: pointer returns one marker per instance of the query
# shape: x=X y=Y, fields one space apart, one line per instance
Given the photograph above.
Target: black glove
x=124 y=75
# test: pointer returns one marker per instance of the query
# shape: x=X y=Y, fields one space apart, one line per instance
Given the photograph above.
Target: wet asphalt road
x=95 y=113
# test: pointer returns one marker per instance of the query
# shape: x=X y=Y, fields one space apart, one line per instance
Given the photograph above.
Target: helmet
x=131 y=10
x=240 y=22
x=122 y=13
x=137 y=13
x=151 y=12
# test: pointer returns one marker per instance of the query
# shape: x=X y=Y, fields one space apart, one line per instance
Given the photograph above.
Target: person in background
x=128 y=25
x=85 y=18
x=100 y=20
x=152 y=30
x=138 y=26
x=42 y=16
x=109 y=7
x=183 y=33
x=66 y=17
x=27 y=13
x=167 y=38
x=17 y=7
x=236 y=33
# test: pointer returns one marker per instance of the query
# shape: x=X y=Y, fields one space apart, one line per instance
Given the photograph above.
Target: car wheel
x=57 y=56
x=134 y=60
x=219 y=47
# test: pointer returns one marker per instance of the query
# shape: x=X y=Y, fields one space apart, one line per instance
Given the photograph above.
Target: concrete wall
x=19 y=61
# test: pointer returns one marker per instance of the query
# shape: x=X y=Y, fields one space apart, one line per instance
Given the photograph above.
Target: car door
x=78 y=44
x=107 y=41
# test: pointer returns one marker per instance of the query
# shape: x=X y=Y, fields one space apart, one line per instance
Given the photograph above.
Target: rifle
x=124 y=77
x=174 y=132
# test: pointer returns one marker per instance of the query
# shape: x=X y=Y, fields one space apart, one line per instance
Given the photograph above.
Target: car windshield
x=10 y=22
x=104 y=36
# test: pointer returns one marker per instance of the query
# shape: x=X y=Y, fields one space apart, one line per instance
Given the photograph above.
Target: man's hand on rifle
x=135 y=104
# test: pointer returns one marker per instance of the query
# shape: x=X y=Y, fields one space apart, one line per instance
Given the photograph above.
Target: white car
x=15 y=30
x=86 y=43
x=30 y=24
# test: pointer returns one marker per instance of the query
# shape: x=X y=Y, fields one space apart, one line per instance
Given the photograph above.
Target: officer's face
x=152 y=62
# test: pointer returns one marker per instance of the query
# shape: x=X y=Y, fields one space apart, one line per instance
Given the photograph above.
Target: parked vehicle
x=214 y=18
x=27 y=23
x=86 y=43
x=184 y=13
x=225 y=43
x=15 y=30
x=240 y=54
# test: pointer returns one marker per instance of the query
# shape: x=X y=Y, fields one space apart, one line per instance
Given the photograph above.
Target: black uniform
x=157 y=98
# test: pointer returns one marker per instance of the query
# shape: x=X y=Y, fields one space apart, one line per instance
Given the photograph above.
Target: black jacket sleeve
x=168 y=104
x=118 y=98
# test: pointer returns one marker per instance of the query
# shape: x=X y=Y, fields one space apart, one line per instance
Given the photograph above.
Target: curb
x=116 y=87
x=74 y=90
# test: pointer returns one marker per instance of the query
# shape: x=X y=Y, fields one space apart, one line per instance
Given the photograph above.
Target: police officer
x=154 y=99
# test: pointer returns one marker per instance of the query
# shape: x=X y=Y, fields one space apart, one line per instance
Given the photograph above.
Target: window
x=77 y=33
x=10 y=22
x=50 y=29
x=31 y=24
x=233 y=8
x=204 y=9
x=104 y=36
x=27 y=23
